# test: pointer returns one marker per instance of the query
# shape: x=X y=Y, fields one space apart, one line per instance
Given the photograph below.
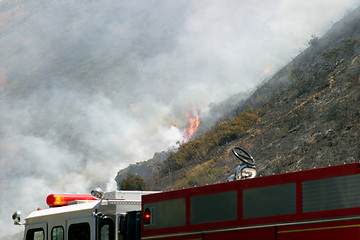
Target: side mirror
x=17 y=218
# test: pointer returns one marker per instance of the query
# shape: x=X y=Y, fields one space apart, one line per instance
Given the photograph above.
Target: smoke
x=88 y=87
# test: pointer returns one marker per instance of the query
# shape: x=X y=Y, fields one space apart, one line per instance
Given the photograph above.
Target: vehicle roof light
x=98 y=193
x=57 y=200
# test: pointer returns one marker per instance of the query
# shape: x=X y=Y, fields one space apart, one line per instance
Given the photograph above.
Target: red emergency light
x=57 y=200
x=147 y=216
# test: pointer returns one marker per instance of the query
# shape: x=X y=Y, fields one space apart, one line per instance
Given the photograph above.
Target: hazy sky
x=87 y=88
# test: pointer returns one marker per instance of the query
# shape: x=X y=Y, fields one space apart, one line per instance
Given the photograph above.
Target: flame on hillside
x=269 y=69
x=194 y=124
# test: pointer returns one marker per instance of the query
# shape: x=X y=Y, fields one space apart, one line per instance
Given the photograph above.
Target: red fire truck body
x=313 y=204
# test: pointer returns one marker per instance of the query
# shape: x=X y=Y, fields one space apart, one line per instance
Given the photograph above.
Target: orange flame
x=268 y=69
x=194 y=124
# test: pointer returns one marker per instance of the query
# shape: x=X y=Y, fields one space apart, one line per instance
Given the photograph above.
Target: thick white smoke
x=88 y=87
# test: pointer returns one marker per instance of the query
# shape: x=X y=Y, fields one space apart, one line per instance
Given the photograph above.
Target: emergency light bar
x=57 y=200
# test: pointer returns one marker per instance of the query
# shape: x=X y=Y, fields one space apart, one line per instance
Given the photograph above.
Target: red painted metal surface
x=209 y=229
x=349 y=230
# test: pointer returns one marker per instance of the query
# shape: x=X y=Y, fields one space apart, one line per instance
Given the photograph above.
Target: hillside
x=89 y=87
x=306 y=116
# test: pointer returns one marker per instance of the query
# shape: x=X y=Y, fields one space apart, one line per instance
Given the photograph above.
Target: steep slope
x=314 y=122
x=307 y=116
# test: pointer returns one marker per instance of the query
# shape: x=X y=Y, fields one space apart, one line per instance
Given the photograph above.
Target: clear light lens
x=98 y=193
x=247 y=173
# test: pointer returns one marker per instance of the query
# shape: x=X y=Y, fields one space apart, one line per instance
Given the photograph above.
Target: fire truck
x=313 y=204
x=105 y=216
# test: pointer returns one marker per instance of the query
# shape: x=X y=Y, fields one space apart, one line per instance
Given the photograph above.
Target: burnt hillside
x=314 y=121
x=306 y=116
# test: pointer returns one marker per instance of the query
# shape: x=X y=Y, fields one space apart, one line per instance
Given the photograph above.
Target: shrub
x=132 y=182
x=314 y=41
